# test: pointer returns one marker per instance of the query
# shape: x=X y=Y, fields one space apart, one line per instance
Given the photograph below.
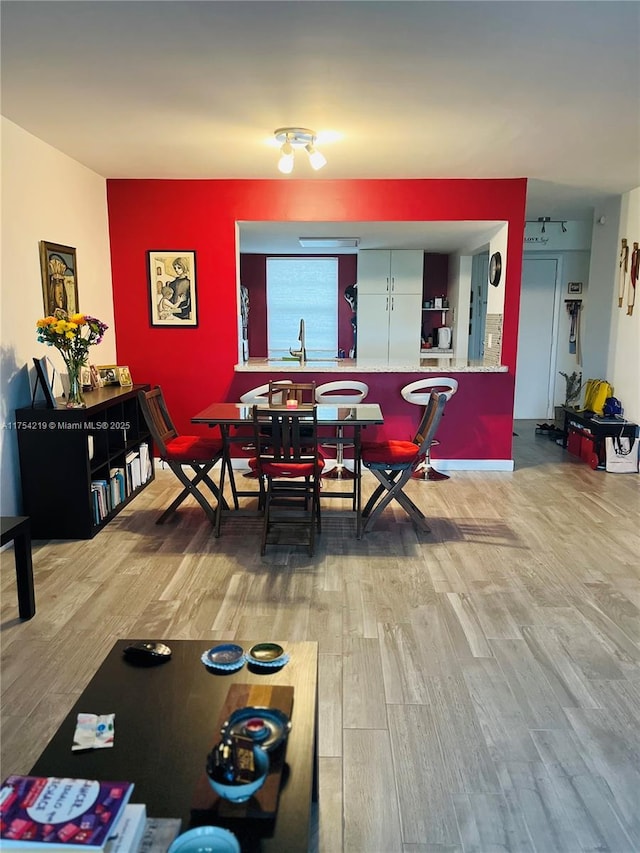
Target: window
x=302 y=288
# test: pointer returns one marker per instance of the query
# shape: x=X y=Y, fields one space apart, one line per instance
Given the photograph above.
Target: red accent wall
x=195 y=366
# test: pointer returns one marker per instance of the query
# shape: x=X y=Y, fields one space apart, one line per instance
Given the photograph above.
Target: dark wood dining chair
x=289 y=469
x=393 y=462
x=180 y=452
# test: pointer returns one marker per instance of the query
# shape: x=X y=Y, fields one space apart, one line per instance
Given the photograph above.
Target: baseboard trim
x=473 y=464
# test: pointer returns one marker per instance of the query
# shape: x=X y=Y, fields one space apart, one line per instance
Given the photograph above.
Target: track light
x=293 y=138
x=546 y=220
x=316 y=158
x=285 y=164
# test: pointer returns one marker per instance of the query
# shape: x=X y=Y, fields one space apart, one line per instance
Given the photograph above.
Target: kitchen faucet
x=302 y=352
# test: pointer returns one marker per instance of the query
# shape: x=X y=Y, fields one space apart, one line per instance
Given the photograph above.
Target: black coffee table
x=165 y=724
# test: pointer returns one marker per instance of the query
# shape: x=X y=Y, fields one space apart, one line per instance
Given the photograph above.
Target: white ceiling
x=544 y=90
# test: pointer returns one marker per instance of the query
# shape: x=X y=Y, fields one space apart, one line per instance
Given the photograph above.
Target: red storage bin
x=574 y=441
x=588 y=450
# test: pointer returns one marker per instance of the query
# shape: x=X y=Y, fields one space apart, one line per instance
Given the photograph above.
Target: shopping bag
x=595 y=395
x=621 y=454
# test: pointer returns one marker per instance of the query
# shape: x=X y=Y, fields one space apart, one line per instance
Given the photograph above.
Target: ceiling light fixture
x=297 y=137
x=546 y=220
x=328 y=242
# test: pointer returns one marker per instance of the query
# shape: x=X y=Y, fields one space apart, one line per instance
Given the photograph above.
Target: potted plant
x=573 y=389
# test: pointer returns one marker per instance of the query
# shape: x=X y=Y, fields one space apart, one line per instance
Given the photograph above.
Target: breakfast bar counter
x=363 y=365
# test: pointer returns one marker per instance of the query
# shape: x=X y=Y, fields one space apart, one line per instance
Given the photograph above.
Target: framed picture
x=575 y=287
x=96 y=382
x=108 y=374
x=85 y=377
x=59 y=272
x=172 y=288
x=124 y=376
x=45 y=375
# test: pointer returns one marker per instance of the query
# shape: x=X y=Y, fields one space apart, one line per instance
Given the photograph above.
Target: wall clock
x=495 y=269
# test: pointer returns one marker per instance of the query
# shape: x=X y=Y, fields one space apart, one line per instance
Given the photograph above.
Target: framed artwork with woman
x=59 y=271
x=172 y=288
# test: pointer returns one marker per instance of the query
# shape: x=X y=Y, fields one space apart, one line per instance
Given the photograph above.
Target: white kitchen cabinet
x=385 y=271
x=389 y=326
x=389 y=303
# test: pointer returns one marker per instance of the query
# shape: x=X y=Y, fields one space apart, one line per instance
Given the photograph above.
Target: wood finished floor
x=479 y=686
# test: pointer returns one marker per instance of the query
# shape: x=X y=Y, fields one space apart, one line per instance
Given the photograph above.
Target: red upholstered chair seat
x=283 y=469
x=180 y=452
x=392 y=452
x=192 y=448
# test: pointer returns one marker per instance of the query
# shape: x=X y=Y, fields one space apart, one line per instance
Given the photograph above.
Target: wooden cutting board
x=264 y=803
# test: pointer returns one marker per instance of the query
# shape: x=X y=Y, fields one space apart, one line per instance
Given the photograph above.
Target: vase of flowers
x=72 y=335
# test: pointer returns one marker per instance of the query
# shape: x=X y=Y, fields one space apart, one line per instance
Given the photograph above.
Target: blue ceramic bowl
x=213 y=839
x=241 y=793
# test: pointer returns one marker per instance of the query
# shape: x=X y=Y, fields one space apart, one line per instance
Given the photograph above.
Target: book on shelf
x=39 y=813
x=117 y=482
x=132 y=470
x=145 y=461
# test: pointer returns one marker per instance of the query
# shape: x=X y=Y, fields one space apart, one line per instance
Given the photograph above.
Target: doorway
x=537 y=339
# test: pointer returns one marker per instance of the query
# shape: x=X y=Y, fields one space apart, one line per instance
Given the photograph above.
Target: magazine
x=38 y=812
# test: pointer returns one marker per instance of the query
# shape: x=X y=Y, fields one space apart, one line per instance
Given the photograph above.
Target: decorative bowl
x=244 y=791
x=226 y=656
x=213 y=839
x=274 y=730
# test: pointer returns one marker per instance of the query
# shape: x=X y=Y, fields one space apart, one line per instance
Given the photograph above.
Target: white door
x=535 y=372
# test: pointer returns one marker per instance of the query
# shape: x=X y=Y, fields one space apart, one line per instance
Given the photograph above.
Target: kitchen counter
x=359 y=365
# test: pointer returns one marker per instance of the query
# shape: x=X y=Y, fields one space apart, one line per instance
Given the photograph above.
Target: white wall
x=45 y=196
x=623 y=355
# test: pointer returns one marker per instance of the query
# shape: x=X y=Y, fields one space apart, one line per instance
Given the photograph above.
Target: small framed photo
x=96 y=381
x=85 y=377
x=59 y=272
x=124 y=377
x=172 y=288
x=108 y=374
x=575 y=287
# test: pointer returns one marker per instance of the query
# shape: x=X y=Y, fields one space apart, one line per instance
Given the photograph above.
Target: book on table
x=50 y=813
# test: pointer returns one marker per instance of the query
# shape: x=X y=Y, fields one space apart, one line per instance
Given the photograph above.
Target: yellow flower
x=78 y=319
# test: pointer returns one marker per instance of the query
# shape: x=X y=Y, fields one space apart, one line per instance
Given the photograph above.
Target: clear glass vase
x=75 y=399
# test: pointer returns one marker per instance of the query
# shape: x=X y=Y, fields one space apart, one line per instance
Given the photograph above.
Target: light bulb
x=285 y=164
x=316 y=158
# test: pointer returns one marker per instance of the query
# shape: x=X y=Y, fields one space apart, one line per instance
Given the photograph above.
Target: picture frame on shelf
x=96 y=381
x=59 y=271
x=124 y=377
x=45 y=376
x=172 y=288
x=85 y=377
x=574 y=287
x=108 y=374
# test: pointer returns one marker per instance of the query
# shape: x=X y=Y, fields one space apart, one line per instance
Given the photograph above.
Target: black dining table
x=229 y=417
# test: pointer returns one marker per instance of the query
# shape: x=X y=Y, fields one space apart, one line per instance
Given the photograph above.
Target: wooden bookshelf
x=62 y=451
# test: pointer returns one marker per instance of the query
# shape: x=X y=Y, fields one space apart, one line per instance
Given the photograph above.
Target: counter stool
x=260 y=394
x=419 y=393
x=341 y=393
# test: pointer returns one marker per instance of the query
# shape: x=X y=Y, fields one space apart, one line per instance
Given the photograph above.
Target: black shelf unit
x=57 y=466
